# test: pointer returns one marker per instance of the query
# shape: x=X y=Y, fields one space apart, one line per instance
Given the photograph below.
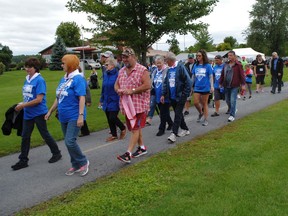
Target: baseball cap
x=107 y=54
x=218 y=57
x=190 y=55
x=128 y=52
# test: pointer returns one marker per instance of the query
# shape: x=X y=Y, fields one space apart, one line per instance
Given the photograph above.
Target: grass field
x=11 y=92
x=240 y=169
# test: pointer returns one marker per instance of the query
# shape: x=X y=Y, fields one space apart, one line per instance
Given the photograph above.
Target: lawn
x=11 y=92
x=240 y=169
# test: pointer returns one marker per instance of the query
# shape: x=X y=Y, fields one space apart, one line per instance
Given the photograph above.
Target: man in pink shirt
x=133 y=81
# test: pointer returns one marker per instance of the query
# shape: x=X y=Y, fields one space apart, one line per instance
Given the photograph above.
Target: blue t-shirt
x=217 y=74
x=171 y=79
x=30 y=90
x=157 y=84
x=202 y=80
x=68 y=92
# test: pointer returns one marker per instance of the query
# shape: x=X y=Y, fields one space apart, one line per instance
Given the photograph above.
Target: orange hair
x=72 y=62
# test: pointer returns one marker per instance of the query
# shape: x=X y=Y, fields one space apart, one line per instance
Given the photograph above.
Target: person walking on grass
x=232 y=78
x=276 y=72
x=70 y=102
x=133 y=85
x=176 y=87
x=202 y=82
x=260 y=71
x=34 y=106
x=109 y=100
x=218 y=92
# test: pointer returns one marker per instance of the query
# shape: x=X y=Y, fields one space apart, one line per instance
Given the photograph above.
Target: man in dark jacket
x=276 y=72
x=232 y=77
x=176 y=87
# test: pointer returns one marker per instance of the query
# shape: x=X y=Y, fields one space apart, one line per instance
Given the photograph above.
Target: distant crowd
x=137 y=92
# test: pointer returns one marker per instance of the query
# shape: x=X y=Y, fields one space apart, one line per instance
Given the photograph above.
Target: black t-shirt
x=260 y=67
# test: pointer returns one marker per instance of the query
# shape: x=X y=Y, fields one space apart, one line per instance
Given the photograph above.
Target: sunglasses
x=198 y=55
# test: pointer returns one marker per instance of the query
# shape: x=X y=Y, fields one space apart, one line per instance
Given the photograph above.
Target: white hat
x=107 y=54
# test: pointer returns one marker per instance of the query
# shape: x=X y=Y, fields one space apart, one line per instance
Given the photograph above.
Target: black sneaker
x=228 y=111
x=55 y=158
x=160 y=133
x=20 y=165
x=125 y=157
x=139 y=152
x=186 y=113
x=214 y=114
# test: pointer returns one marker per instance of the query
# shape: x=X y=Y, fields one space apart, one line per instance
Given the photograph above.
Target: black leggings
x=113 y=121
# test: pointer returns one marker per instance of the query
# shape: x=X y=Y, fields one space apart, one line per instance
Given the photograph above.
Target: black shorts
x=218 y=95
x=202 y=93
x=260 y=79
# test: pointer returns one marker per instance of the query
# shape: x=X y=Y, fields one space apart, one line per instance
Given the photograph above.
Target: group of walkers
x=128 y=89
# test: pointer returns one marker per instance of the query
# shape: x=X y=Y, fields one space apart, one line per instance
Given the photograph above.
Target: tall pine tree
x=58 y=51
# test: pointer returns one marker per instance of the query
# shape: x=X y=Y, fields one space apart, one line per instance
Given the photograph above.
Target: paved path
x=42 y=181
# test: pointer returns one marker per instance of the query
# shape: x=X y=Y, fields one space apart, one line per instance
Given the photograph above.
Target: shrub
x=2 y=68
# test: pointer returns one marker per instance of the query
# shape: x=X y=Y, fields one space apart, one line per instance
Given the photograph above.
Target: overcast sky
x=28 y=26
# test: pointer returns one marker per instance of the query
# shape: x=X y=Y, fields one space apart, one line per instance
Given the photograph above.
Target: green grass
x=240 y=169
x=11 y=92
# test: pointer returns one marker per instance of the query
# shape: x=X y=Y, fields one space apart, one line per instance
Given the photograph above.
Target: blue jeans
x=152 y=106
x=70 y=131
x=231 y=98
x=28 y=127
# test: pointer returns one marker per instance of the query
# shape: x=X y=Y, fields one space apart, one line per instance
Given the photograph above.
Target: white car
x=90 y=63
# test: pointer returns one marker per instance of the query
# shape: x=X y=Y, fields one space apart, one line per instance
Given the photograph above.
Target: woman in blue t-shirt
x=157 y=79
x=70 y=102
x=34 y=106
x=202 y=83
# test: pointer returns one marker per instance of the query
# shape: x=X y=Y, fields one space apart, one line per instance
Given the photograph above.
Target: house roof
x=47 y=48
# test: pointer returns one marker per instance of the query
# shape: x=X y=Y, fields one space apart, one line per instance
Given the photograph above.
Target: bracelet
x=81 y=114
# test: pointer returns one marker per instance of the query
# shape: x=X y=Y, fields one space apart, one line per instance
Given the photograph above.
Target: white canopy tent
x=249 y=53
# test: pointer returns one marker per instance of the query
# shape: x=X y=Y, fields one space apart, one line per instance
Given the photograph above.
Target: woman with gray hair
x=157 y=79
x=110 y=100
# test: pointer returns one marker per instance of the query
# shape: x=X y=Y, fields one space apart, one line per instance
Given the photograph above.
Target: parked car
x=90 y=63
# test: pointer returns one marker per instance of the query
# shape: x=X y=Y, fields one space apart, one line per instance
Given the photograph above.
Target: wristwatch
x=81 y=113
x=133 y=90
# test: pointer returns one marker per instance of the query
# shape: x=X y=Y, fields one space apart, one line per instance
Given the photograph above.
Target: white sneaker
x=184 y=133
x=172 y=137
x=231 y=119
x=205 y=122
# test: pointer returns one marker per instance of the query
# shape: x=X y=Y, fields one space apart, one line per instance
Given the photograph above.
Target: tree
x=141 y=23
x=58 y=51
x=70 y=33
x=232 y=41
x=174 y=45
x=223 y=47
x=203 y=40
x=5 y=55
x=268 y=29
